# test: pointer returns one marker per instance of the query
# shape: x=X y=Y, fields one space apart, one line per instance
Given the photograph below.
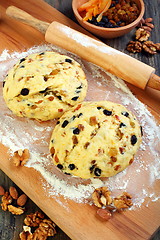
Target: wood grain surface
x=10 y=226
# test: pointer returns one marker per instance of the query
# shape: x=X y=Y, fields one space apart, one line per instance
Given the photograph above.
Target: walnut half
x=20 y=157
x=101 y=197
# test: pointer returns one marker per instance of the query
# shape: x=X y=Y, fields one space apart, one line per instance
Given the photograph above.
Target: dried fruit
x=21 y=201
x=20 y=157
x=13 y=192
x=2 y=191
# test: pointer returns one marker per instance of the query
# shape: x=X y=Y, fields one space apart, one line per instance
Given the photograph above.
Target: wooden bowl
x=107 y=32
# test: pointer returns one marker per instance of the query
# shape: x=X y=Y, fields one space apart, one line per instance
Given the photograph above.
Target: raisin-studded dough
x=44 y=85
x=95 y=139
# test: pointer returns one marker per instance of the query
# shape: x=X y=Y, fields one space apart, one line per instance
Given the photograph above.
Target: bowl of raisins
x=119 y=18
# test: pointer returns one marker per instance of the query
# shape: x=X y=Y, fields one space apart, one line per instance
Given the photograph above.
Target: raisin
x=79 y=87
x=141 y=130
x=58 y=122
x=67 y=173
x=22 y=66
x=64 y=124
x=60 y=166
x=80 y=114
x=42 y=53
x=92 y=168
x=75 y=140
x=97 y=172
x=24 y=91
x=22 y=60
x=126 y=114
x=43 y=91
x=86 y=145
x=59 y=97
x=73 y=117
x=75 y=98
x=71 y=166
x=98 y=108
x=68 y=60
x=45 y=78
x=77 y=91
x=122 y=125
x=76 y=131
x=133 y=139
x=4 y=83
x=107 y=113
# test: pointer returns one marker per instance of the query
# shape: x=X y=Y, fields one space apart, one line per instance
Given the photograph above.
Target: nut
x=142 y=35
x=101 y=197
x=104 y=214
x=34 y=219
x=123 y=201
x=149 y=47
x=20 y=157
x=21 y=201
x=15 y=210
x=134 y=46
x=26 y=236
x=13 y=192
x=45 y=227
x=6 y=200
x=2 y=191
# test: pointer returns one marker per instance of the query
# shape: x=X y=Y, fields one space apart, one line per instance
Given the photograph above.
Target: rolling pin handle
x=26 y=18
x=154 y=82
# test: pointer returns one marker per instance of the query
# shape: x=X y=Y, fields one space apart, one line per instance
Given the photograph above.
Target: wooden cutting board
x=80 y=221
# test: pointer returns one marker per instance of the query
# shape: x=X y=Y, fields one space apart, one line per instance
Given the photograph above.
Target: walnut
x=26 y=234
x=157 y=46
x=134 y=46
x=149 y=47
x=142 y=35
x=34 y=219
x=15 y=210
x=123 y=201
x=101 y=197
x=6 y=200
x=20 y=157
x=46 y=229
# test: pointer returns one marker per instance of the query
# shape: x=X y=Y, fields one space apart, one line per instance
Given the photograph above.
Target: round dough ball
x=95 y=139
x=44 y=85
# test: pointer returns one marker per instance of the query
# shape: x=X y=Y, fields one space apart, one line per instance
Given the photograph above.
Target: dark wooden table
x=10 y=225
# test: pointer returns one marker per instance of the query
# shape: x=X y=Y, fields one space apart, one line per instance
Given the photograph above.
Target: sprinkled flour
x=139 y=179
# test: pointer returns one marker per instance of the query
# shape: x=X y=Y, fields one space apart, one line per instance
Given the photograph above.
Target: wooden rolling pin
x=91 y=49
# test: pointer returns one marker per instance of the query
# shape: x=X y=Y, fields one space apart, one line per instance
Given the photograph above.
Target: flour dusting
x=139 y=179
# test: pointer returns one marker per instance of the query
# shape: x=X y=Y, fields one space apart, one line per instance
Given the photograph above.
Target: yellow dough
x=44 y=85
x=95 y=139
